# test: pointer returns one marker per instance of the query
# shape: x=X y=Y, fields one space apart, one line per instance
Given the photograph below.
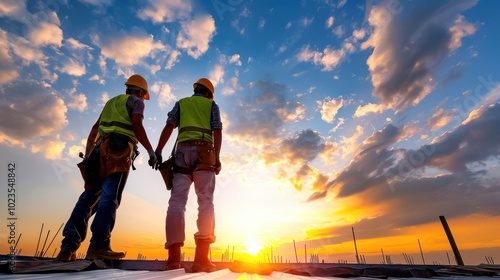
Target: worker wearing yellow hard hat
x=110 y=151
x=196 y=161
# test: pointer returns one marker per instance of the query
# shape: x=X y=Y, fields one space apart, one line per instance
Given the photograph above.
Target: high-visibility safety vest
x=115 y=118
x=195 y=113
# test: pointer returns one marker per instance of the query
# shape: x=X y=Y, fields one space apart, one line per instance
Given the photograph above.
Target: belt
x=194 y=143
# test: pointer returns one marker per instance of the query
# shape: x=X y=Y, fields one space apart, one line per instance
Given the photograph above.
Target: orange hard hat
x=206 y=83
x=138 y=81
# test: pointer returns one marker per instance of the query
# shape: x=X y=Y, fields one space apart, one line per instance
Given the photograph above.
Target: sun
x=253 y=247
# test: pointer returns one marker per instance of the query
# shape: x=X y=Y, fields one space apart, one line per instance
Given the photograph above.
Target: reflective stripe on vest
x=195 y=113
x=115 y=118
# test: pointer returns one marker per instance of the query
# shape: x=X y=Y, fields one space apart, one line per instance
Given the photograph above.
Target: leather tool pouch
x=116 y=155
x=206 y=158
x=167 y=172
x=90 y=169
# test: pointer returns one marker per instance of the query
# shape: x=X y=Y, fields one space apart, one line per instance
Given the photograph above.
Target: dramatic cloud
x=256 y=115
x=306 y=146
x=195 y=35
x=391 y=178
x=415 y=43
x=32 y=112
x=165 y=11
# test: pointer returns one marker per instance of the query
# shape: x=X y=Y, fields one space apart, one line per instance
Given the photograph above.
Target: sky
x=340 y=116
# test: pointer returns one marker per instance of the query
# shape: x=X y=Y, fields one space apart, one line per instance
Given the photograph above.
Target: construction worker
x=196 y=160
x=111 y=148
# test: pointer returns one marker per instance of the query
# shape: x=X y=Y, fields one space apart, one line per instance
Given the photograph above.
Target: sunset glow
x=341 y=119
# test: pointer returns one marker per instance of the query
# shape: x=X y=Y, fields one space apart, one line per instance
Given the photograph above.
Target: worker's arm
x=217 y=146
x=165 y=135
x=92 y=138
x=141 y=135
x=140 y=132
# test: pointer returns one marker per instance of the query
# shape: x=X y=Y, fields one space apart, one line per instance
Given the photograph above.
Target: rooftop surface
x=31 y=268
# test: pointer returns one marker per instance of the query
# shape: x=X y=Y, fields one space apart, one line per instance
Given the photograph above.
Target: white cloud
x=72 y=67
x=339 y=31
x=329 y=108
x=29 y=53
x=103 y=99
x=235 y=58
x=96 y=78
x=102 y=64
x=165 y=11
x=216 y=76
x=173 y=57
x=52 y=149
x=127 y=48
x=369 y=108
x=330 y=58
x=461 y=29
x=76 y=45
x=329 y=22
x=164 y=92
x=46 y=34
x=233 y=86
x=195 y=35
x=77 y=101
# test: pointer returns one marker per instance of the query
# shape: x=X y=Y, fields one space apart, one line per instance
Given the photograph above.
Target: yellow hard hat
x=138 y=81
x=206 y=83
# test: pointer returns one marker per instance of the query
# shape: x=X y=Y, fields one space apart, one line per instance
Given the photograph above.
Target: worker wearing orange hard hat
x=109 y=154
x=196 y=160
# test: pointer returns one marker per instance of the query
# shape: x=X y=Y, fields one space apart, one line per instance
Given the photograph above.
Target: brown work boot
x=201 y=262
x=174 y=257
x=66 y=256
x=103 y=254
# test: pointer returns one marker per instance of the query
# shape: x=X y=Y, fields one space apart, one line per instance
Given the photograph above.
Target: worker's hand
x=218 y=166
x=152 y=158
x=159 y=160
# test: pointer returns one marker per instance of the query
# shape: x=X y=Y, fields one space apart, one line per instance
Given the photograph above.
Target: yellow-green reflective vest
x=195 y=113
x=115 y=118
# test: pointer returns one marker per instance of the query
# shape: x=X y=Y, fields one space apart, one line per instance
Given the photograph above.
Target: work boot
x=174 y=257
x=66 y=256
x=201 y=262
x=103 y=254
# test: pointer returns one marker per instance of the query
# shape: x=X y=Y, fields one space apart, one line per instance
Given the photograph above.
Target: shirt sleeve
x=174 y=115
x=135 y=106
x=215 y=121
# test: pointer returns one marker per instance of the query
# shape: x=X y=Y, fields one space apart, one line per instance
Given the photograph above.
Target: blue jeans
x=102 y=201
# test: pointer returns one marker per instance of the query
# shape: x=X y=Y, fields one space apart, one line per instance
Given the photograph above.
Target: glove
x=159 y=160
x=218 y=166
x=152 y=158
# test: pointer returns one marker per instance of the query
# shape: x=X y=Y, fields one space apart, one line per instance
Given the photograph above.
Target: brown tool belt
x=195 y=143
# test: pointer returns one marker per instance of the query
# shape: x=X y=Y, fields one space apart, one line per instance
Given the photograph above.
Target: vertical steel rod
x=453 y=244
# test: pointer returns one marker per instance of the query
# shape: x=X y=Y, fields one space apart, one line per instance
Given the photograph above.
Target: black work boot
x=201 y=262
x=174 y=257
x=103 y=254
